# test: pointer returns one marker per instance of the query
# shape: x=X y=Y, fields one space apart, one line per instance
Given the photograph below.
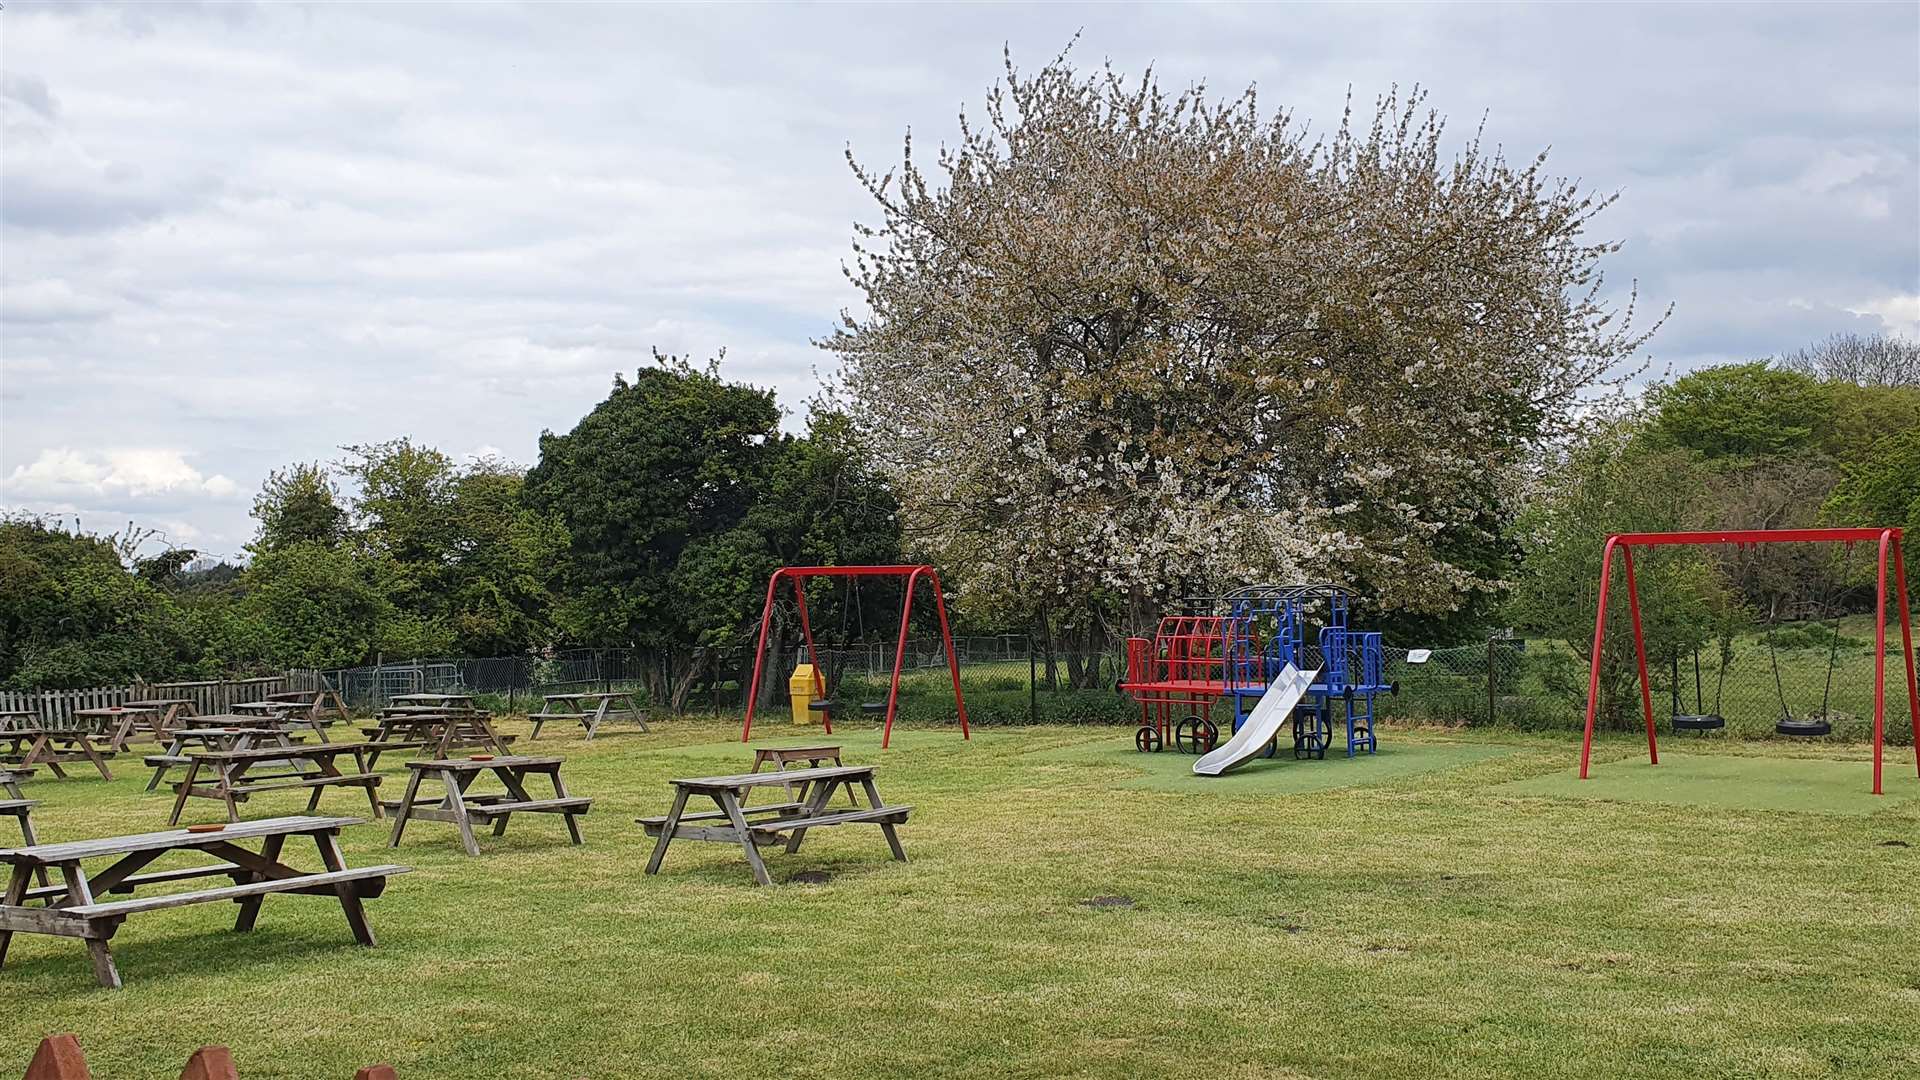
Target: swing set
x=823 y=702
x=1888 y=540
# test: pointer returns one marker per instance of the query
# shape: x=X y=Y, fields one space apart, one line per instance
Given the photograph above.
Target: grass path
x=1444 y=921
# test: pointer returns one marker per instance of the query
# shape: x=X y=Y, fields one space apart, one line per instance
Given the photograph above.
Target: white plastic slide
x=1274 y=709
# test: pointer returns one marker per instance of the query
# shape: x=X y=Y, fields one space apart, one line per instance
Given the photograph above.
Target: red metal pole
x=899 y=657
x=759 y=656
x=1640 y=654
x=1906 y=642
x=1880 y=661
x=813 y=656
x=1599 y=639
x=953 y=661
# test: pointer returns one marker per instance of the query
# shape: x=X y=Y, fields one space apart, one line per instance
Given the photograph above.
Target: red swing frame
x=798 y=575
x=1889 y=542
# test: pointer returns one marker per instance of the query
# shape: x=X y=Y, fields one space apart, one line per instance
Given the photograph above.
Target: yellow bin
x=800 y=688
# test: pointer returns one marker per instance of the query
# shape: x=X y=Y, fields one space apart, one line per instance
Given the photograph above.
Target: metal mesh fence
x=1511 y=682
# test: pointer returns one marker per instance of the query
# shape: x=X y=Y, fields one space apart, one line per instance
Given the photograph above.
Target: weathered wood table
x=18 y=718
x=313 y=768
x=18 y=806
x=117 y=723
x=53 y=748
x=462 y=807
x=436 y=733
x=774 y=823
x=438 y=701
x=172 y=709
x=179 y=740
x=811 y=756
x=74 y=908
x=316 y=703
x=287 y=714
x=588 y=710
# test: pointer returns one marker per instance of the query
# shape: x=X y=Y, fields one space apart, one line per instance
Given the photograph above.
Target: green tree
x=298 y=505
x=1883 y=488
x=1615 y=483
x=307 y=605
x=72 y=614
x=1741 y=412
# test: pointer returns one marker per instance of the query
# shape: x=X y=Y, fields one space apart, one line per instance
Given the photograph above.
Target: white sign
x=1419 y=656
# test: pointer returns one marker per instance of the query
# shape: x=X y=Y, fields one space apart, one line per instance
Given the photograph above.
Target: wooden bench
x=462 y=808
x=41 y=749
x=232 y=785
x=75 y=909
x=752 y=827
x=569 y=707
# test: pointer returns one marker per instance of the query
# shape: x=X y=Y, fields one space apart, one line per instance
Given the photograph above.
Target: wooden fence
x=55 y=707
x=60 y=1058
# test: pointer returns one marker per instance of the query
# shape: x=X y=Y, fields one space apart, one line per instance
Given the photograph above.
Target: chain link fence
x=1528 y=684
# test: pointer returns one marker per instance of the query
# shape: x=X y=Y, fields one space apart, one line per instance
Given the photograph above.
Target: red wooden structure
x=1889 y=543
x=798 y=575
x=1182 y=670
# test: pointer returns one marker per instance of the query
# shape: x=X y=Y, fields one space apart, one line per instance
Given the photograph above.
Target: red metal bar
x=1880 y=661
x=1906 y=643
x=851 y=571
x=1599 y=639
x=759 y=656
x=813 y=655
x=1640 y=653
x=953 y=661
x=1745 y=536
x=899 y=657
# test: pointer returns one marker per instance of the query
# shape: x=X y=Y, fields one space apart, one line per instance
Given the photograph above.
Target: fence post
x=1490 y=683
x=1033 y=686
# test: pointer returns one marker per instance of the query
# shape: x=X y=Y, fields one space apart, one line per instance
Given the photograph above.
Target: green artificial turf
x=1738 y=781
x=1411 y=923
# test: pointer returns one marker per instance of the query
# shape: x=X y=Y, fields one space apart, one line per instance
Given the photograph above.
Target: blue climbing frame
x=1270 y=626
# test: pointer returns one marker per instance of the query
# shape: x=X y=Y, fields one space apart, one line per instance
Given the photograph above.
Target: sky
x=233 y=237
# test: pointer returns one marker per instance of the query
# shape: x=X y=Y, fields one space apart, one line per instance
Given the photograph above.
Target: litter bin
x=801 y=688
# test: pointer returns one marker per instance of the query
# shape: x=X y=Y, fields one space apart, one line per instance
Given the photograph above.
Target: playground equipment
x=1235 y=653
x=1262 y=726
x=1700 y=719
x=822 y=703
x=1888 y=540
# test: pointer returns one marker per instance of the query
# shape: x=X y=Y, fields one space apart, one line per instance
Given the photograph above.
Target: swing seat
x=1698 y=721
x=873 y=706
x=1811 y=728
x=822 y=704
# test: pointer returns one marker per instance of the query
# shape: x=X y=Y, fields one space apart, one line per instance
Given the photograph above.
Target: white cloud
x=1900 y=313
x=77 y=477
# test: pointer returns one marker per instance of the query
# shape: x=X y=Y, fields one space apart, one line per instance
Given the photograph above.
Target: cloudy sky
x=240 y=236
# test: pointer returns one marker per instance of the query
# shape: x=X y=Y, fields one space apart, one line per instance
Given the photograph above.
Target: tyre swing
x=1811 y=725
x=1699 y=719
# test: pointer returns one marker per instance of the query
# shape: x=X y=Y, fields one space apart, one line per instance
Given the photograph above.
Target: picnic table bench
x=19 y=807
x=285 y=714
x=785 y=822
x=17 y=718
x=435 y=732
x=172 y=709
x=117 y=723
x=440 y=701
x=811 y=756
x=573 y=707
x=461 y=807
x=229 y=737
x=41 y=749
x=315 y=702
x=75 y=907
x=313 y=768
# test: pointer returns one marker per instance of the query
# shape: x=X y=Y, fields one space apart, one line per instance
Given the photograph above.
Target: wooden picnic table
x=16 y=718
x=462 y=807
x=172 y=709
x=213 y=738
x=811 y=756
x=74 y=908
x=315 y=702
x=441 y=701
x=41 y=749
x=436 y=733
x=283 y=713
x=117 y=723
x=574 y=707
x=752 y=827
x=313 y=768
x=19 y=807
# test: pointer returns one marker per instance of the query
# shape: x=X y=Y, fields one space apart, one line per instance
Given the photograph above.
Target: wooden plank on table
x=774 y=779
x=171 y=838
x=303 y=882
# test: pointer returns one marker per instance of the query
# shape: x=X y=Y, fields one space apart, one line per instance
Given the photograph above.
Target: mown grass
x=1412 y=923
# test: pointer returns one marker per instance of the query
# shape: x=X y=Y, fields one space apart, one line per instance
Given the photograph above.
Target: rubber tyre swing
x=1804 y=729
x=1698 y=722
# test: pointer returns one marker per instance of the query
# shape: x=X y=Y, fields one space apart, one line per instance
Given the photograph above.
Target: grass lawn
x=1454 y=907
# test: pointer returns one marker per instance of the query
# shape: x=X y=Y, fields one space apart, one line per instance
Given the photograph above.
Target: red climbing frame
x=1889 y=541
x=913 y=575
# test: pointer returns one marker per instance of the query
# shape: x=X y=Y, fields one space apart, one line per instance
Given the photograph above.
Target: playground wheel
x=1189 y=734
x=1210 y=733
x=1147 y=739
